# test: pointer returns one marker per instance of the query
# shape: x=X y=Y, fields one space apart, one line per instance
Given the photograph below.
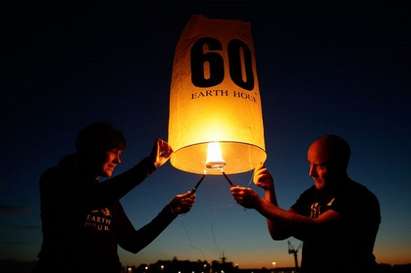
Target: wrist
x=168 y=213
x=150 y=163
x=172 y=211
x=269 y=188
x=259 y=204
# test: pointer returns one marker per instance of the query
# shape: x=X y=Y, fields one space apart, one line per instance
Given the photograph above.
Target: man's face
x=112 y=159
x=320 y=168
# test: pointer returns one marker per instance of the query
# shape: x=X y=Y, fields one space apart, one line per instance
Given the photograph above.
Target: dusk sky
x=342 y=69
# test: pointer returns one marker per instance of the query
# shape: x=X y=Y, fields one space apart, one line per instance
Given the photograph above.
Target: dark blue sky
x=323 y=68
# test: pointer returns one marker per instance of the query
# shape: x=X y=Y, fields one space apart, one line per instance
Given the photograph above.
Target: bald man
x=337 y=219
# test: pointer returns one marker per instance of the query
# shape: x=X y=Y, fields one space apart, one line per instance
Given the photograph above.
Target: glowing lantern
x=216 y=120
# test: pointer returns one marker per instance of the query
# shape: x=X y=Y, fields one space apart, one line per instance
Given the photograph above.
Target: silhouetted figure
x=336 y=218
x=82 y=218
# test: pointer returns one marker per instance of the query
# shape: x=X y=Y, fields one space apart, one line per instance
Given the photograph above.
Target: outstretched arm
x=135 y=240
x=113 y=189
x=262 y=178
x=281 y=223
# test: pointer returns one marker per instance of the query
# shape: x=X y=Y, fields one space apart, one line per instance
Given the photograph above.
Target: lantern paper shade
x=215 y=120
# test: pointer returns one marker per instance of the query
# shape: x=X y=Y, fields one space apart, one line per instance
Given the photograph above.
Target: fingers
x=183 y=202
x=259 y=167
x=262 y=178
x=163 y=148
x=260 y=171
x=161 y=152
x=245 y=196
x=239 y=192
x=188 y=194
x=237 y=189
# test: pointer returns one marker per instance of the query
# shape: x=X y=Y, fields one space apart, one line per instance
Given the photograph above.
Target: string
x=251 y=178
x=191 y=242
x=184 y=226
x=216 y=244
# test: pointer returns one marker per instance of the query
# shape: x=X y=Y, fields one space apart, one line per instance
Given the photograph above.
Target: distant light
x=146 y=268
x=274 y=263
x=129 y=268
x=162 y=266
x=205 y=265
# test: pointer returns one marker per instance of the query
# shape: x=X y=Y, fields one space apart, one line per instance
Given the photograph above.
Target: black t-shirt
x=347 y=244
x=83 y=221
x=99 y=238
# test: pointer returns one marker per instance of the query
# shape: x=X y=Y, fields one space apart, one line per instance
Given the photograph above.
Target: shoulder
x=308 y=193
x=118 y=206
x=363 y=201
x=49 y=175
x=118 y=209
x=355 y=189
x=62 y=171
x=305 y=198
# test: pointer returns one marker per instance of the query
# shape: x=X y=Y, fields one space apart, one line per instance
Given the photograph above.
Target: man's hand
x=160 y=153
x=182 y=203
x=246 y=197
x=262 y=178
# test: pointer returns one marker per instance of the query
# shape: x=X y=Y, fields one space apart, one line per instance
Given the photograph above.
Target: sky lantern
x=216 y=124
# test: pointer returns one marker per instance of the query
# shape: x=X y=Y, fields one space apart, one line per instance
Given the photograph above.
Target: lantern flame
x=214 y=157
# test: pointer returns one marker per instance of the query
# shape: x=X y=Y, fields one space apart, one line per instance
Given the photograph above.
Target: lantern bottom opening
x=238 y=158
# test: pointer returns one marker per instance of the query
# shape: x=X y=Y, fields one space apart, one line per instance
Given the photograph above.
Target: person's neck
x=88 y=168
x=338 y=181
